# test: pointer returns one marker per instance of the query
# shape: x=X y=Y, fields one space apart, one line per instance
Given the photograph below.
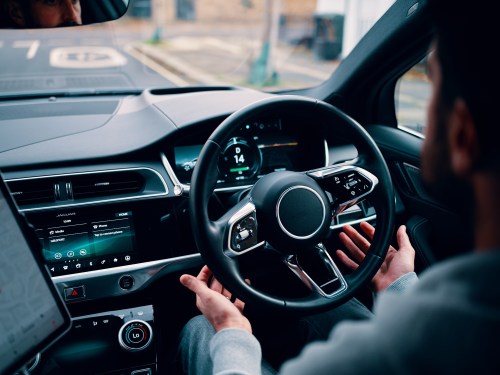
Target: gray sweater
x=447 y=322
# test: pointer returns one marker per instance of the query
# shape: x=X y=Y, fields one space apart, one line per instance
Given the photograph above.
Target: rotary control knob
x=135 y=335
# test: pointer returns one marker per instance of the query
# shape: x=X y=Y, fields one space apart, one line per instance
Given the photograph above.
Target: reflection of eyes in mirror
x=59 y=13
x=44 y=13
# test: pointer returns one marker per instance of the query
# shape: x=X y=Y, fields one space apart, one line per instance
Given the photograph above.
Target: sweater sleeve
x=403 y=282
x=448 y=322
x=235 y=351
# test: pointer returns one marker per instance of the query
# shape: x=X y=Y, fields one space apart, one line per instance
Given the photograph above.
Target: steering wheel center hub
x=292 y=209
x=300 y=212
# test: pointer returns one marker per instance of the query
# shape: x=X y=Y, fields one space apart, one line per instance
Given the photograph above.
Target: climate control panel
x=112 y=343
x=135 y=335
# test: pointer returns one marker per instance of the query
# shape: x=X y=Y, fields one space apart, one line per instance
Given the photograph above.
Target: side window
x=413 y=92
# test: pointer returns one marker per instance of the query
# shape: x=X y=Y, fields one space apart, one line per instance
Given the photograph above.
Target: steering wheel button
x=350 y=185
x=243 y=235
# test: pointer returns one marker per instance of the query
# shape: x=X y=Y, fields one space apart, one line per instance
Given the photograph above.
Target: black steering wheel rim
x=211 y=242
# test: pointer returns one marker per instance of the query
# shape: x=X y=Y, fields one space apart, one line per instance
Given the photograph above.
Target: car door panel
x=436 y=231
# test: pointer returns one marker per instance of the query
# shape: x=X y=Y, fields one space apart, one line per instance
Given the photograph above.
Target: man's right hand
x=396 y=262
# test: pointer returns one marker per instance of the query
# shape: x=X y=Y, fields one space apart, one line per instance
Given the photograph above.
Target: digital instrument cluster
x=256 y=149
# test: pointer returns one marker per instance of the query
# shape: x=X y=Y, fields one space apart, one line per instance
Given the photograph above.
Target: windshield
x=269 y=45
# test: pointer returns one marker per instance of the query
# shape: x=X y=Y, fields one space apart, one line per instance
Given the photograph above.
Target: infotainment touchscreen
x=85 y=239
x=32 y=314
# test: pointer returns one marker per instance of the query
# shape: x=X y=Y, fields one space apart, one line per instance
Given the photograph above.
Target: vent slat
x=90 y=186
x=83 y=186
x=32 y=191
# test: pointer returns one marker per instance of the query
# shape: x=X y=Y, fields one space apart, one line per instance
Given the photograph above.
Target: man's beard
x=445 y=187
x=452 y=192
x=441 y=183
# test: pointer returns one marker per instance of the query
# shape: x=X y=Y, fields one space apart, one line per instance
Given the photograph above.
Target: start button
x=126 y=282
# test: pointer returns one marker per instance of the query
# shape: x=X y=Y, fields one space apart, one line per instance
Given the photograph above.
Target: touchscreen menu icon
x=112 y=235
x=69 y=241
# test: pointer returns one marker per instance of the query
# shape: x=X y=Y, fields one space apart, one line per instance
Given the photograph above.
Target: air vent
x=106 y=184
x=27 y=192
x=33 y=193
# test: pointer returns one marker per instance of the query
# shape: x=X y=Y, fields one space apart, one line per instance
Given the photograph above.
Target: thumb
x=193 y=284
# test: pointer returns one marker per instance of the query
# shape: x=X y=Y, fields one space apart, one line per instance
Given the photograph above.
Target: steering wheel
x=292 y=211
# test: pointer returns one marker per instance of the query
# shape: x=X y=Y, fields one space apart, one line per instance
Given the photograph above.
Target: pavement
x=206 y=54
x=194 y=54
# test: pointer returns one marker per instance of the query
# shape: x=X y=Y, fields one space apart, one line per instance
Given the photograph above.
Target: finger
x=367 y=229
x=205 y=275
x=226 y=293
x=195 y=285
x=240 y=305
x=346 y=260
x=351 y=247
x=403 y=239
x=216 y=286
x=357 y=238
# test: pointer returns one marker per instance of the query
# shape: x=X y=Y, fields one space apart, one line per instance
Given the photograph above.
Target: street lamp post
x=262 y=71
x=159 y=18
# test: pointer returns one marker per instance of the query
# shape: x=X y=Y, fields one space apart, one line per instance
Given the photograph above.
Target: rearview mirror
x=32 y=14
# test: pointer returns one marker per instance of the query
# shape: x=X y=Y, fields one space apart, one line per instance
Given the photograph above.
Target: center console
x=120 y=342
x=106 y=237
x=105 y=253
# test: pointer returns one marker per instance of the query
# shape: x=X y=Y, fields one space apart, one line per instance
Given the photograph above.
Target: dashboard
x=106 y=191
x=104 y=182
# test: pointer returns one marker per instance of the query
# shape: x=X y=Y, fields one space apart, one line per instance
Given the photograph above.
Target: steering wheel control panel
x=243 y=231
x=351 y=185
x=346 y=185
x=112 y=342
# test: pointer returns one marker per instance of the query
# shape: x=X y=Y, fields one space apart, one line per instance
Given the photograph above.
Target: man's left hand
x=213 y=300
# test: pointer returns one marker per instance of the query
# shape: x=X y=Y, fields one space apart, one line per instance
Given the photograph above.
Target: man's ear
x=15 y=12
x=462 y=139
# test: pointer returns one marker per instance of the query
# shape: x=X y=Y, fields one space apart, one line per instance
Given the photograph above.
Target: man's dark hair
x=467 y=35
x=28 y=15
x=5 y=19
